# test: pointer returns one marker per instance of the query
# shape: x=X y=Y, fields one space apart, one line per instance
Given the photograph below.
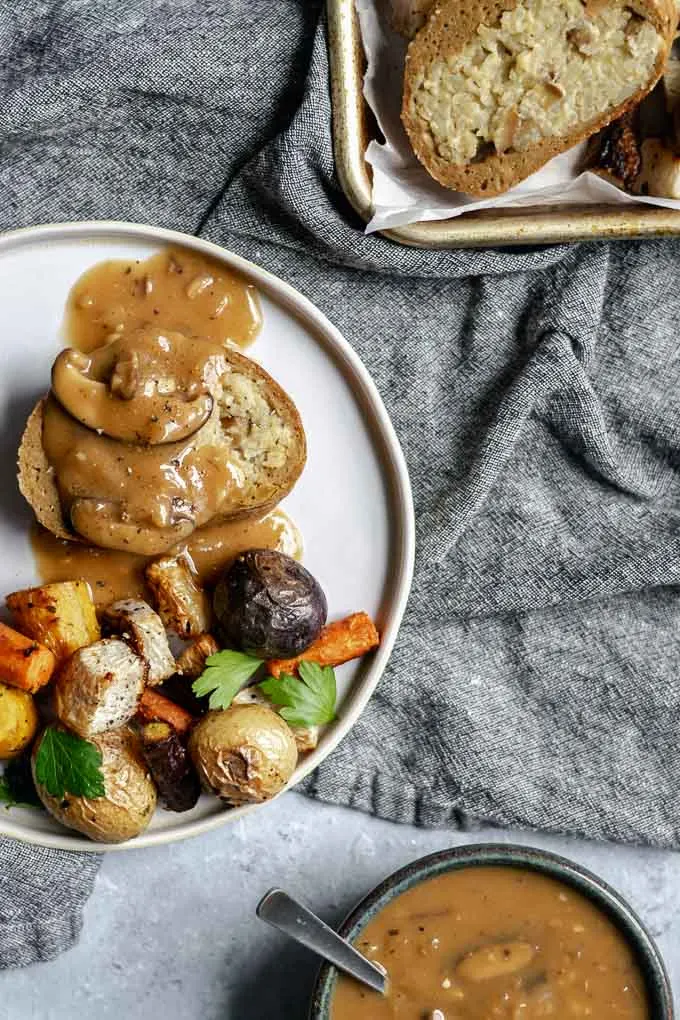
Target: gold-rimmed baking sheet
x=353 y=128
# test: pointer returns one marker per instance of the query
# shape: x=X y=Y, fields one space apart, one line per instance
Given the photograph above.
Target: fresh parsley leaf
x=65 y=763
x=225 y=674
x=307 y=700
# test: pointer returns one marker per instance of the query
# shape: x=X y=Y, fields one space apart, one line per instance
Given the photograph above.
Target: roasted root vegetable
x=154 y=707
x=244 y=754
x=129 y=799
x=23 y=662
x=181 y=604
x=18 y=721
x=338 y=642
x=99 y=687
x=60 y=616
x=268 y=605
x=137 y=623
x=179 y=690
x=170 y=765
x=191 y=662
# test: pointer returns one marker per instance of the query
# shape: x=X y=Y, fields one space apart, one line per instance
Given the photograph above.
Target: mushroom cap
x=139 y=388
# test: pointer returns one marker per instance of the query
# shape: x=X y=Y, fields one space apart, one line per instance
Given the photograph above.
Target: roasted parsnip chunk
x=99 y=687
x=182 y=605
x=142 y=628
x=61 y=616
x=191 y=662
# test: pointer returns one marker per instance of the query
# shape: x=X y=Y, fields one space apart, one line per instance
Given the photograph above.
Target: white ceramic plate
x=353 y=502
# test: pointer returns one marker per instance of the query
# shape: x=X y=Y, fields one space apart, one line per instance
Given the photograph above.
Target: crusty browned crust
x=449 y=28
x=37 y=483
x=36 y=479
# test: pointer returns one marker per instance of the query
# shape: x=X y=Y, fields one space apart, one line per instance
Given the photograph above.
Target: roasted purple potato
x=170 y=766
x=268 y=605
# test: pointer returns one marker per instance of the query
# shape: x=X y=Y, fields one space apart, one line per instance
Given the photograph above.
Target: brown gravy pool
x=177 y=289
x=492 y=943
x=116 y=575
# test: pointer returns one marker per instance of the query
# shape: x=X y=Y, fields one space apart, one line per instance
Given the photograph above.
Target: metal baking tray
x=353 y=128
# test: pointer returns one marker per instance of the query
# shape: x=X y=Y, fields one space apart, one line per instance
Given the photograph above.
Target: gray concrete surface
x=171 y=934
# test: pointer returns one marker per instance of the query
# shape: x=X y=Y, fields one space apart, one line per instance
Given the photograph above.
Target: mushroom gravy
x=148 y=345
x=139 y=496
x=113 y=574
x=177 y=289
x=495 y=943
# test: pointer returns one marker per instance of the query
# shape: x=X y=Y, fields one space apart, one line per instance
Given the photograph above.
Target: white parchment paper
x=403 y=191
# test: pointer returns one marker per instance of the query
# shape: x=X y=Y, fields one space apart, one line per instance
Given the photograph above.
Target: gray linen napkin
x=42 y=895
x=535 y=681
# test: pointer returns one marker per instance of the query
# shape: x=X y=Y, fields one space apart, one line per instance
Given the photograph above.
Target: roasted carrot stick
x=23 y=662
x=155 y=706
x=338 y=642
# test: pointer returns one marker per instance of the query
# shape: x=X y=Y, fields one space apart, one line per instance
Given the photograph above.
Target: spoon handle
x=281 y=911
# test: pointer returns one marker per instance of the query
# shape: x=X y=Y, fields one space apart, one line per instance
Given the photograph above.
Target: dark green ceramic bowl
x=602 y=895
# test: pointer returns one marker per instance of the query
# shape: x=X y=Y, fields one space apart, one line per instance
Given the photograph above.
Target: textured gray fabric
x=42 y=894
x=535 y=681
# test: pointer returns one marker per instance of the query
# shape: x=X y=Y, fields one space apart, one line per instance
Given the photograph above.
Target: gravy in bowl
x=495 y=943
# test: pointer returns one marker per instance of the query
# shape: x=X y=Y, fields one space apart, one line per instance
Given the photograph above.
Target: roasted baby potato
x=170 y=765
x=244 y=754
x=61 y=616
x=99 y=687
x=130 y=799
x=269 y=605
x=306 y=737
x=181 y=604
x=18 y=721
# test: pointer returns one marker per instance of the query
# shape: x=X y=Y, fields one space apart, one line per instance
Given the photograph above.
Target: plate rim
x=390 y=456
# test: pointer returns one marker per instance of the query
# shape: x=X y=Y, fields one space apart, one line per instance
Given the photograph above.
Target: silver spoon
x=283 y=912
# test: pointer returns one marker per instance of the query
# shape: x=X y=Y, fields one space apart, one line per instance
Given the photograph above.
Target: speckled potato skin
x=130 y=799
x=18 y=721
x=244 y=754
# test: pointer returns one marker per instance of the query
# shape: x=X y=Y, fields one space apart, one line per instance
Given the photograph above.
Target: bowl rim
x=514 y=855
